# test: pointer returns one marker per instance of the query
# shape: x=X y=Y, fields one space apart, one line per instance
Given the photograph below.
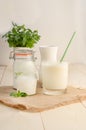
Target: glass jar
x=25 y=72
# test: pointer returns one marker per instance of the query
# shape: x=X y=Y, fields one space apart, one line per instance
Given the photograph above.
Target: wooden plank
x=7 y=79
x=71 y=117
x=12 y=119
x=2 y=71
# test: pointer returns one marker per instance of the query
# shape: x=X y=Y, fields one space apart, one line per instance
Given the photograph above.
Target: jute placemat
x=41 y=102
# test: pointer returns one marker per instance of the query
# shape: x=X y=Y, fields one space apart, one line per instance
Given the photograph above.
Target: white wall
x=56 y=20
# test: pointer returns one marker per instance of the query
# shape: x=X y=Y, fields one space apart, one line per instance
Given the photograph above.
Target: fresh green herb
x=20 y=36
x=67 y=47
x=18 y=73
x=18 y=94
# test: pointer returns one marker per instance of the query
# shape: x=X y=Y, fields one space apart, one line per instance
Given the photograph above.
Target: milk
x=25 y=76
x=25 y=84
x=48 y=55
x=25 y=67
x=55 y=76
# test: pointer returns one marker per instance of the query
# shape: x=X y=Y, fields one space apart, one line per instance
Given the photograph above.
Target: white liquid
x=48 y=55
x=25 y=76
x=55 y=76
x=26 y=67
x=25 y=84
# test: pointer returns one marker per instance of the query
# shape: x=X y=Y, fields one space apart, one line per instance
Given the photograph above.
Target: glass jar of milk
x=54 y=78
x=25 y=72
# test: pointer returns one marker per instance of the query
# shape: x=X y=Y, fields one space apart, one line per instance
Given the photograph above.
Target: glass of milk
x=55 y=78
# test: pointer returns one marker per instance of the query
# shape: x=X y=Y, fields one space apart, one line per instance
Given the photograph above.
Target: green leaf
x=18 y=94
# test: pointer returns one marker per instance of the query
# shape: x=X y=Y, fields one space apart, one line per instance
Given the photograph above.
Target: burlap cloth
x=41 y=102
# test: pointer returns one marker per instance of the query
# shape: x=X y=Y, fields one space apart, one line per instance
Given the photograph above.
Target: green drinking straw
x=67 y=47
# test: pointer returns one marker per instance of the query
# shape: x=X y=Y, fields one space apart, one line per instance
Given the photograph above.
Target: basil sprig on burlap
x=18 y=94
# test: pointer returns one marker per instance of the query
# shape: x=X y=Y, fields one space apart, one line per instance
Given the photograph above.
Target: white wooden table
x=70 y=117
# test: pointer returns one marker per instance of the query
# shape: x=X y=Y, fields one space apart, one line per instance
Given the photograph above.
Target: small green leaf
x=18 y=73
x=18 y=94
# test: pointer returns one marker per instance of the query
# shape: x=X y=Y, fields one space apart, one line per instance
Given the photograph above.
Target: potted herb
x=20 y=36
